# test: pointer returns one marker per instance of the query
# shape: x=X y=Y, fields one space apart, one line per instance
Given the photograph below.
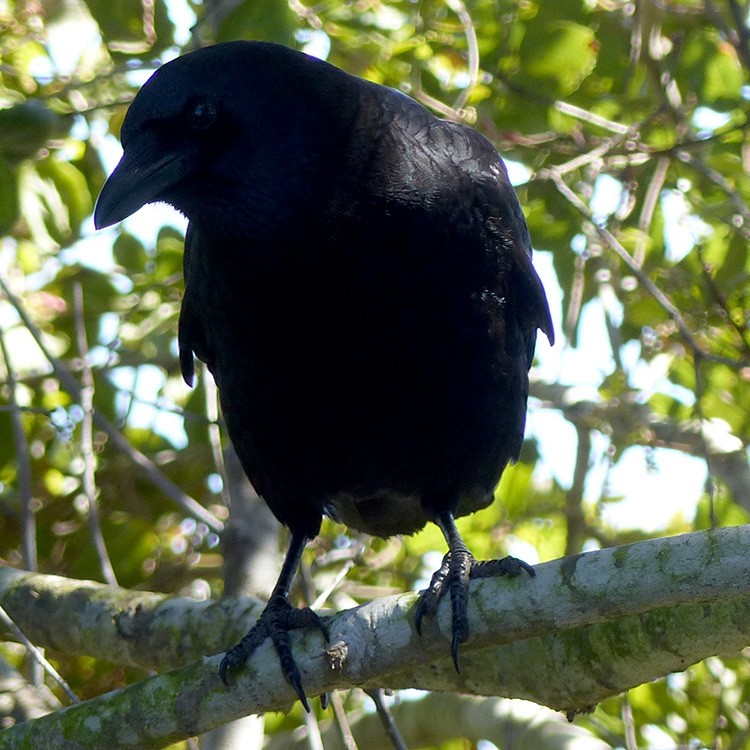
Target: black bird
x=358 y=280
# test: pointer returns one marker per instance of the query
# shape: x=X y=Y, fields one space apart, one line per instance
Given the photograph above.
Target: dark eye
x=202 y=115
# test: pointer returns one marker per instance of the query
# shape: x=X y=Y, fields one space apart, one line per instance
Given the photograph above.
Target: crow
x=358 y=280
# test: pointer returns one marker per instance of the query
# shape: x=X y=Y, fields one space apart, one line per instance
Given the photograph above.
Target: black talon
x=275 y=621
x=458 y=567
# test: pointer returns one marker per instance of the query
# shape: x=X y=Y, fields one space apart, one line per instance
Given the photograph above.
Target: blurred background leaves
x=638 y=109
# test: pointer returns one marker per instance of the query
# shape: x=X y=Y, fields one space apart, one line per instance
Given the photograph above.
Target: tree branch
x=587 y=627
x=726 y=453
x=437 y=718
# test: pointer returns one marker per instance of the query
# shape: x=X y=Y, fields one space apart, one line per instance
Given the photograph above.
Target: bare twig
x=631 y=742
x=720 y=181
x=710 y=479
x=573 y=509
x=308 y=15
x=591 y=118
x=740 y=35
x=575 y=303
x=25 y=409
x=342 y=722
x=589 y=157
x=566 y=108
x=321 y=599
x=386 y=717
x=87 y=439
x=459 y=8
x=37 y=655
x=741 y=329
x=649 y=206
x=314 y=738
x=214 y=433
x=739 y=16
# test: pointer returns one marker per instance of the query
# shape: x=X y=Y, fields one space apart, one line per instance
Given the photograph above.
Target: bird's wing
x=477 y=196
x=505 y=218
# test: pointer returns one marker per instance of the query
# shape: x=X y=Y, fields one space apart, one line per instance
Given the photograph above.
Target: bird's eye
x=202 y=115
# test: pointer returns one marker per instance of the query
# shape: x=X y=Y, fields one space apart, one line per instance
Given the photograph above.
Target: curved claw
x=276 y=620
x=455 y=643
x=457 y=568
x=227 y=663
x=429 y=597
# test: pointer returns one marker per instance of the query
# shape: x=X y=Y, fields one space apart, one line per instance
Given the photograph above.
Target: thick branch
x=587 y=627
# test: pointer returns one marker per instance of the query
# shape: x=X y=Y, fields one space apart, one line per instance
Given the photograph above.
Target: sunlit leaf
x=560 y=54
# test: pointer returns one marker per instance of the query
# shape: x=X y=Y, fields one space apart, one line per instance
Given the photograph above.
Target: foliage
x=628 y=123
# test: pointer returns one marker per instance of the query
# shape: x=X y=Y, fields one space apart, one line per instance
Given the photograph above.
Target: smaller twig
x=87 y=439
x=719 y=180
x=306 y=14
x=585 y=115
x=566 y=108
x=25 y=409
x=37 y=655
x=159 y=404
x=314 y=737
x=575 y=303
x=710 y=479
x=435 y=104
x=320 y=600
x=574 y=497
x=590 y=156
x=649 y=206
x=609 y=302
x=739 y=16
x=214 y=433
x=389 y=723
x=730 y=128
x=631 y=742
x=472 y=46
x=342 y=722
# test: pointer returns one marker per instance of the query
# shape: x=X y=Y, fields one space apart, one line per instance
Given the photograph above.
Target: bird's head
x=242 y=128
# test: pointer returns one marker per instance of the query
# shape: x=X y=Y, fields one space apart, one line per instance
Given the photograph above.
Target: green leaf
x=712 y=70
x=723 y=76
x=266 y=20
x=71 y=185
x=130 y=253
x=128 y=27
x=560 y=54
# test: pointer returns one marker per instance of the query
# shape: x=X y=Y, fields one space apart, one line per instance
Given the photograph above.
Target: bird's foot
x=277 y=619
x=457 y=569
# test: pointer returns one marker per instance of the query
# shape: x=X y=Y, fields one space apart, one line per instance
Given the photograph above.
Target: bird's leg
x=276 y=620
x=458 y=567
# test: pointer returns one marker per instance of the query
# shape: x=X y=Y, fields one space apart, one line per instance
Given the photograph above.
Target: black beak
x=137 y=180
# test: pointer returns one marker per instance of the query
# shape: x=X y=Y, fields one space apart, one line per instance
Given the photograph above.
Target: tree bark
x=585 y=628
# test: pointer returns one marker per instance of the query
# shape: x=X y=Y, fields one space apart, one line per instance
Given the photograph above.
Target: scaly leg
x=276 y=620
x=458 y=567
